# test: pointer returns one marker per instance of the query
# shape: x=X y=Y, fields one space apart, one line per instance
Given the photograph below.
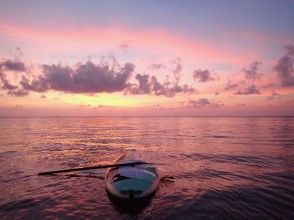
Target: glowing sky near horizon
x=107 y=58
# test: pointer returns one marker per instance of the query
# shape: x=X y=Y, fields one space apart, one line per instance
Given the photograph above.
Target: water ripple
x=222 y=167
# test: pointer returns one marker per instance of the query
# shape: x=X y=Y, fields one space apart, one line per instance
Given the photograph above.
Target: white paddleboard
x=132 y=182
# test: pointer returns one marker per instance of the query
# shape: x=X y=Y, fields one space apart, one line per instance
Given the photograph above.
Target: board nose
x=131 y=194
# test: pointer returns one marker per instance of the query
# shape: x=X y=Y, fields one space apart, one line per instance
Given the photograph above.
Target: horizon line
x=157 y=116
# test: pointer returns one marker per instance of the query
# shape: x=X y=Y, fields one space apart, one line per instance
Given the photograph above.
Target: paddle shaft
x=91 y=168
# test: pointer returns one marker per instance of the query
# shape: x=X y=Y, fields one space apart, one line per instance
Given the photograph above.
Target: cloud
x=13 y=65
x=18 y=92
x=274 y=95
x=86 y=78
x=202 y=75
x=203 y=102
x=250 y=90
x=230 y=86
x=10 y=65
x=156 y=66
x=178 y=69
x=107 y=76
x=144 y=86
x=251 y=73
x=5 y=84
x=150 y=85
x=284 y=67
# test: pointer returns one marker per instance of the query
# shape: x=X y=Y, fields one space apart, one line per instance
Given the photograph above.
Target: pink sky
x=117 y=68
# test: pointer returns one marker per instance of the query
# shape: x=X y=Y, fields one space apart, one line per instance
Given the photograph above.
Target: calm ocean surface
x=223 y=168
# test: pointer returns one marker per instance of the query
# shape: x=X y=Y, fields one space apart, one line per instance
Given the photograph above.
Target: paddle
x=92 y=168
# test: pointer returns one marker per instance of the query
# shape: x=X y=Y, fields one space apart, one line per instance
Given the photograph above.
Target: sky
x=146 y=58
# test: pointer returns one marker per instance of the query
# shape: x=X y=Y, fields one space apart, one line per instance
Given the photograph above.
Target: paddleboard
x=134 y=181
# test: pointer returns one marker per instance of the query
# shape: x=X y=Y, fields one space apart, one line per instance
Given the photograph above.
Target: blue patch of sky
x=188 y=17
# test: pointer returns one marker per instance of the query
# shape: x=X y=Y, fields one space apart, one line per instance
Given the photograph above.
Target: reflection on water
x=224 y=168
x=131 y=208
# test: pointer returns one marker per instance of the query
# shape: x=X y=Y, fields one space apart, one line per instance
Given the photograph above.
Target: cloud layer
x=109 y=76
x=90 y=78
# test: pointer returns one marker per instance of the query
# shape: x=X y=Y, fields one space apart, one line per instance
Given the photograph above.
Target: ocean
x=221 y=167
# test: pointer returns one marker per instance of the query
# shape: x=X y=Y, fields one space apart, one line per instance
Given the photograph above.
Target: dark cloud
x=231 y=86
x=92 y=78
x=284 y=67
x=42 y=96
x=203 y=102
x=202 y=75
x=10 y=65
x=13 y=65
x=18 y=92
x=150 y=85
x=250 y=90
x=144 y=85
x=86 y=78
x=251 y=73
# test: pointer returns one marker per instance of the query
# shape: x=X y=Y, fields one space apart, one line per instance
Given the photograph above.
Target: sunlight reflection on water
x=229 y=168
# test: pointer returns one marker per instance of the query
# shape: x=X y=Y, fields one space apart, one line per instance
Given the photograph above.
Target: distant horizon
x=156 y=116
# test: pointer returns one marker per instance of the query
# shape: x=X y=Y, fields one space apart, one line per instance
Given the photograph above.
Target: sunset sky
x=165 y=58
